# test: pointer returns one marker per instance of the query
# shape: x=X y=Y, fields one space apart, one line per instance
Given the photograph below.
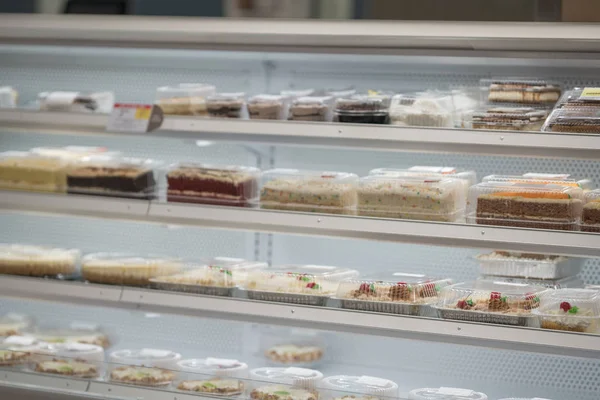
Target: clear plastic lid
x=184 y=98
x=227 y=105
x=268 y=106
x=426 y=109
x=194 y=90
x=576 y=310
x=469 y=177
x=527 y=265
x=74 y=332
x=312 y=108
x=18 y=350
x=301 y=377
x=445 y=393
x=211 y=366
x=393 y=287
x=97 y=102
x=580 y=97
x=30 y=260
x=30 y=161
x=521 y=90
x=361 y=105
x=408 y=197
x=491 y=297
x=71 y=153
x=233 y=98
x=524 y=398
x=12 y=324
x=309 y=191
x=367 y=385
x=318 y=280
x=562 y=283
x=509 y=118
x=574 y=119
x=590 y=217
x=8 y=97
x=294 y=93
x=542 y=179
x=336 y=93
x=146 y=357
x=70 y=351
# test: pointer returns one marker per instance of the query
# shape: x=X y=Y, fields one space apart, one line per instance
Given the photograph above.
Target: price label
x=136 y=118
x=590 y=93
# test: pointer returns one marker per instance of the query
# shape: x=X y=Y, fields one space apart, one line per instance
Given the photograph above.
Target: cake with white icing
x=30 y=260
x=122 y=269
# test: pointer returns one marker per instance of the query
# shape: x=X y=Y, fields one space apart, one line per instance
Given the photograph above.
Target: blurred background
x=450 y=10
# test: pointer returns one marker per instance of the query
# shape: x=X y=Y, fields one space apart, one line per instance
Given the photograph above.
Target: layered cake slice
x=294 y=354
x=25 y=171
x=226 y=105
x=124 y=269
x=268 y=106
x=590 y=218
x=30 y=260
x=509 y=118
x=184 y=98
x=218 y=185
x=311 y=108
x=523 y=91
x=575 y=310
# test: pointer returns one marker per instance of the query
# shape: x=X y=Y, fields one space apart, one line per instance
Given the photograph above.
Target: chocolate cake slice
x=112 y=181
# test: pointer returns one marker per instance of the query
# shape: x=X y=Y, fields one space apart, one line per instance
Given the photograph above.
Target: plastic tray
x=341 y=385
x=312 y=108
x=520 y=90
x=184 y=98
x=391 y=292
x=445 y=393
x=528 y=205
x=8 y=97
x=509 y=118
x=127 y=269
x=361 y=110
x=490 y=302
x=267 y=106
x=525 y=265
x=215 y=277
x=309 y=191
x=226 y=185
x=28 y=260
x=575 y=310
x=590 y=216
x=291 y=377
x=21 y=170
x=96 y=102
x=300 y=284
x=562 y=283
x=14 y=324
x=406 y=197
x=227 y=105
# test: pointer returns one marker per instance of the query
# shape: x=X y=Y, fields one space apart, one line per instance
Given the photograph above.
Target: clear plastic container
x=96 y=102
x=8 y=97
x=371 y=388
x=520 y=90
x=593 y=287
x=562 y=283
x=272 y=383
x=268 y=106
x=296 y=347
x=73 y=153
x=360 y=109
x=493 y=302
x=525 y=398
x=69 y=359
x=527 y=205
x=226 y=185
x=127 y=269
x=445 y=393
x=12 y=324
x=582 y=119
x=579 y=97
x=212 y=376
x=391 y=292
x=575 y=310
x=407 y=197
x=18 y=350
x=425 y=109
x=309 y=191
x=227 y=105
x=590 y=216
x=296 y=93
x=300 y=284
x=338 y=93
x=184 y=98
x=21 y=170
x=509 y=118
x=544 y=179
x=113 y=176
x=28 y=260
x=216 y=277
x=526 y=265
x=312 y=108
x=143 y=367
x=75 y=332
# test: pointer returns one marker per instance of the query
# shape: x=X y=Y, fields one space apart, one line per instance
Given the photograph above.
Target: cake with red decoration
x=575 y=310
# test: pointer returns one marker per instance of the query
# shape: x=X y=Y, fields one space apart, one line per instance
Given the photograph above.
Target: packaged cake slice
x=528 y=265
x=213 y=376
x=309 y=191
x=422 y=109
x=520 y=90
x=490 y=301
x=590 y=216
x=19 y=350
x=361 y=109
x=223 y=185
x=69 y=359
x=561 y=283
x=574 y=119
x=446 y=393
x=409 y=197
x=347 y=387
x=74 y=332
x=282 y=346
x=21 y=170
x=542 y=179
x=509 y=118
x=528 y=205
x=227 y=105
x=42 y=261
x=312 y=108
x=273 y=383
x=184 y=98
x=63 y=101
x=218 y=276
x=115 y=176
x=143 y=367
x=300 y=284
x=268 y=106
x=127 y=269
x=575 y=310
x=391 y=292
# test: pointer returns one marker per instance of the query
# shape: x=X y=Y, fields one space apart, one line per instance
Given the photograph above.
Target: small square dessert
x=184 y=98
x=21 y=170
x=126 y=269
x=11 y=357
x=267 y=106
x=527 y=265
x=213 y=375
x=73 y=333
x=590 y=216
x=312 y=108
x=509 y=118
x=294 y=354
x=360 y=109
x=71 y=359
x=74 y=368
x=142 y=376
x=144 y=367
x=520 y=90
x=214 y=386
x=282 y=392
x=575 y=310
x=362 y=387
x=227 y=105
x=286 y=383
x=309 y=191
x=446 y=393
x=96 y=102
x=228 y=185
x=28 y=260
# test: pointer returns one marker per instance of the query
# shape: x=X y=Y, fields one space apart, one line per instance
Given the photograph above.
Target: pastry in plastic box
x=426 y=109
x=285 y=383
x=562 y=283
x=409 y=197
x=18 y=350
x=268 y=106
x=127 y=269
x=509 y=118
x=144 y=367
x=527 y=205
x=291 y=346
x=112 y=176
x=76 y=332
x=297 y=93
x=360 y=109
x=227 y=185
x=215 y=376
x=227 y=105
x=28 y=260
x=309 y=191
x=8 y=97
x=184 y=98
x=96 y=102
x=446 y=393
x=73 y=153
x=301 y=284
x=590 y=216
x=312 y=108
x=391 y=292
x=70 y=359
x=527 y=265
x=359 y=387
x=337 y=93
x=494 y=302
x=21 y=170
x=543 y=179
x=216 y=277
x=12 y=324
x=520 y=90
x=575 y=310
x=294 y=354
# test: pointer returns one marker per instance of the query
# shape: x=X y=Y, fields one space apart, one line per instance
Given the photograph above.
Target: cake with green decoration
x=74 y=368
x=282 y=392
x=142 y=376
x=218 y=386
x=575 y=310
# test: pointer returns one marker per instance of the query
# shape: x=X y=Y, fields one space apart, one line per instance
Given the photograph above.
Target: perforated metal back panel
x=134 y=74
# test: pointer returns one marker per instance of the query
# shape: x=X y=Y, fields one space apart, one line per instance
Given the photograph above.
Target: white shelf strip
x=436 y=330
x=372 y=137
